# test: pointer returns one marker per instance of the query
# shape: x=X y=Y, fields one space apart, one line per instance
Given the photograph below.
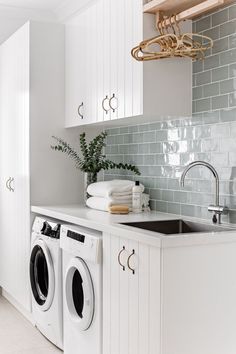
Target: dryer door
x=79 y=293
x=42 y=276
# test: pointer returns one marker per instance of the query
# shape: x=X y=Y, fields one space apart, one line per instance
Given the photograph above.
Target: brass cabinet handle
x=121 y=251
x=103 y=104
x=79 y=108
x=128 y=261
x=113 y=98
x=7 y=183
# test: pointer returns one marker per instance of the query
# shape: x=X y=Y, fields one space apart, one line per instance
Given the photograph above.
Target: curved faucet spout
x=211 y=168
x=217 y=209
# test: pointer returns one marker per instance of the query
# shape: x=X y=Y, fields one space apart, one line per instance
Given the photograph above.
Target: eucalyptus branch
x=93 y=160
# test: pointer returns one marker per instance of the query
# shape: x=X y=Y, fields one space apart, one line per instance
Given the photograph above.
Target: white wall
x=12 y=18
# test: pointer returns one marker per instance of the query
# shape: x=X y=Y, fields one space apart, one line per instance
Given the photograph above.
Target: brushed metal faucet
x=216 y=208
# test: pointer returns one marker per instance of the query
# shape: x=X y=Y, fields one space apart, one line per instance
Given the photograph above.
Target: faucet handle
x=215 y=220
x=218 y=210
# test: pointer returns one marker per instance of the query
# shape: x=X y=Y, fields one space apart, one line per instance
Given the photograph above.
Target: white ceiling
x=33 y=4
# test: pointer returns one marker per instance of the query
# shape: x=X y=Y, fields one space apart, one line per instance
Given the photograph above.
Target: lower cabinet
x=199 y=292
x=131 y=297
x=178 y=299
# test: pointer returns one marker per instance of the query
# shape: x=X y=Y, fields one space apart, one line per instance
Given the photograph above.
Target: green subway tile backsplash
x=161 y=149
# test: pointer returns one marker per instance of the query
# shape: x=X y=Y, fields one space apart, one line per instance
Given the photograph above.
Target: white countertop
x=105 y=222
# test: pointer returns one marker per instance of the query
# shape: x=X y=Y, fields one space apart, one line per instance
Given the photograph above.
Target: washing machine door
x=79 y=293
x=42 y=276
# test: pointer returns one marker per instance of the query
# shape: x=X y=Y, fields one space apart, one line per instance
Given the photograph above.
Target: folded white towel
x=103 y=204
x=115 y=188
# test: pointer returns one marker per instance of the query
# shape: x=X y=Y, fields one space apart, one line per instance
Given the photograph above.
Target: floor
x=18 y=336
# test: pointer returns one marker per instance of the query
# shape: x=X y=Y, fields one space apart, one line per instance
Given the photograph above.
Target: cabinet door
x=75 y=71
x=122 y=74
x=131 y=297
x=91 y=63
x=199 y=291
x=14 y=157
x=100 y=57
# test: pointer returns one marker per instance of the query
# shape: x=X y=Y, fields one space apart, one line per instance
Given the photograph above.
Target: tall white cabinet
x=31 y=110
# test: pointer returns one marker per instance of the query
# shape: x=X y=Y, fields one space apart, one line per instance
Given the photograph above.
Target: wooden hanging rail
x=185 y=9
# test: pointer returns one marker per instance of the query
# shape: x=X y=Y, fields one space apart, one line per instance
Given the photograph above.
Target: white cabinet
x=83 y=67
x=131 y=297
x=101 y=73
x=103 y=62
x=177 y=299
x=14 y=166
x=31 y=111
x=75 y=72
x=199 y=291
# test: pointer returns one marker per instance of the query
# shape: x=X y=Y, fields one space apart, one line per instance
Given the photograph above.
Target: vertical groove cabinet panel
x=144 y=301
x=114 y=306
x=123 y=300
x=115 y=57
x=129 y=61
x=120 y=43
x=107 y=37
x=155 y=301
x=75 y=80
x=134 y=296
x=131 y=297
x=137 y=83
x=100 y=59
x=90 y=64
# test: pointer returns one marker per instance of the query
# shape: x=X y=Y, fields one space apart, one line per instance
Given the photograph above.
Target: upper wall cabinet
x=104 y=82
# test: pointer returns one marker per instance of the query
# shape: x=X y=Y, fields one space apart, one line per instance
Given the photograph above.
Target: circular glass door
x=79 y=293
x=42 y=275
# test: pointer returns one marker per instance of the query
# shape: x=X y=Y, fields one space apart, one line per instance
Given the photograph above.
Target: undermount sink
x=172 y=227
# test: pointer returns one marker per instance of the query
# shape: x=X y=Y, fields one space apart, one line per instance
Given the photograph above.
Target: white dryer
x=46 y=279
x=82 y=290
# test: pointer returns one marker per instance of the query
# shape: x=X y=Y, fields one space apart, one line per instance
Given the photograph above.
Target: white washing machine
x=82 y=290
x=46 y=279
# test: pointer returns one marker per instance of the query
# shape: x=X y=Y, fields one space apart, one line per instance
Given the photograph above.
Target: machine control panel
x=47 y=227
x=76 y=236
x=81 y=242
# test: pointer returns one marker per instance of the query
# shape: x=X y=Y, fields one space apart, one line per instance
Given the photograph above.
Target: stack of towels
x=110 y=193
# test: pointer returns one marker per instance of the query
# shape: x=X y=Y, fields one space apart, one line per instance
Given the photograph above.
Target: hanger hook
x=160 y=27
x=171 y=23
x=177 y=25
x=166 y=25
